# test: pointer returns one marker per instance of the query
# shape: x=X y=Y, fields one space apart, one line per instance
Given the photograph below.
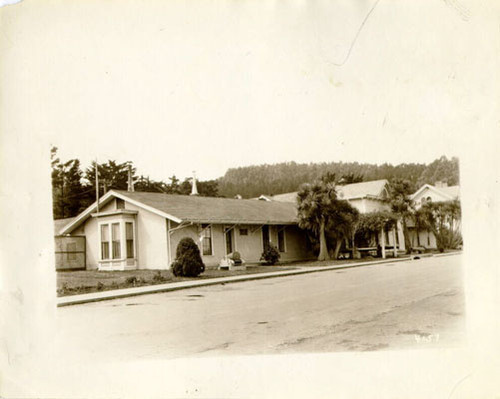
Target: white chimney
x=194 y=190
x=130 y=185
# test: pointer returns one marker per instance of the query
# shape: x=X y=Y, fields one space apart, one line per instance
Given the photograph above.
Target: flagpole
x=97 y=185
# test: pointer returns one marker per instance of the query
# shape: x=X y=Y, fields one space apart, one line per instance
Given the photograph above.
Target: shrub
x=188 y=262
x=158 y=278
x=100 y=286
x=270 y=255
x=131 y=280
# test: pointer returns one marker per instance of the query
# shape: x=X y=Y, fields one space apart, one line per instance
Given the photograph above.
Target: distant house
x=369 y=196
x=141 y=230
x=440 y=192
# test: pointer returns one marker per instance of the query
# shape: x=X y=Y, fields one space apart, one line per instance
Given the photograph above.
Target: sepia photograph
x=249 y=199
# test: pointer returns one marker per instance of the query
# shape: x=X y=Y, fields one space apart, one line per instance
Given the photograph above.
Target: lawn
x=86 y=281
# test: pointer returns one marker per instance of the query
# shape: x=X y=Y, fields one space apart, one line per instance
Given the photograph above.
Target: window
x=105 y=241
x=206 y=237
x=281 y=240
x=243 y=232
x=129 y=236
x=120 y=204
x=115 y=236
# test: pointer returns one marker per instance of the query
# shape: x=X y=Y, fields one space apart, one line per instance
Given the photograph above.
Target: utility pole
x=97 y=185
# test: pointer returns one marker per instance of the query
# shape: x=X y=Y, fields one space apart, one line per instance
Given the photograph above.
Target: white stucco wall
x=151 y=238
x=249 y=246
x=151 y=233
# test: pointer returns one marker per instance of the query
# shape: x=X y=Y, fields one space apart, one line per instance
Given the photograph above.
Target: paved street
x=413 y=304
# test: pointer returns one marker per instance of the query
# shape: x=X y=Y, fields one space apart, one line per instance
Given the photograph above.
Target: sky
x=183 y=85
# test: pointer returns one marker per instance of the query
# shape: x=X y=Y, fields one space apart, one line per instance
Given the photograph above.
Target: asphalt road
x=413 y=304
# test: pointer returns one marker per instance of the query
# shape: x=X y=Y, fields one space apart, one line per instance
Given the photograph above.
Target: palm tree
x=313 y=202
x=402 y=205
x=342 y=219
x=325 y=216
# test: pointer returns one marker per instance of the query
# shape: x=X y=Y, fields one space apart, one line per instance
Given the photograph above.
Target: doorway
x=265 y=237
x=228 y=233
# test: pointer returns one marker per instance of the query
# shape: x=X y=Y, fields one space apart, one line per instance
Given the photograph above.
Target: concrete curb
x=153 y=289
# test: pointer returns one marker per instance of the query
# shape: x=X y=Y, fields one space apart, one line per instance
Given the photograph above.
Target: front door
x=229 y=240
x=265 y=237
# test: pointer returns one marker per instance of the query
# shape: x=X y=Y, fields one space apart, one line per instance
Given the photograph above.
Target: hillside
x=252 y=181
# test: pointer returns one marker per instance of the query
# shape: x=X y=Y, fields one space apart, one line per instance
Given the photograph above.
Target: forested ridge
x=74 y=188
x=252 y=181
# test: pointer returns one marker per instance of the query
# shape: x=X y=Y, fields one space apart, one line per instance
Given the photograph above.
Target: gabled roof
x=449 y=193
x=367 y=189
x=196 y=209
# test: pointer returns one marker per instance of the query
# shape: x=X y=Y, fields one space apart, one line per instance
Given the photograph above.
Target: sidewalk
x=128 y=292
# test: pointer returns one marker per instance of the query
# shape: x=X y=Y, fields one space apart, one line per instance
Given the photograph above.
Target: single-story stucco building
x=133 y=230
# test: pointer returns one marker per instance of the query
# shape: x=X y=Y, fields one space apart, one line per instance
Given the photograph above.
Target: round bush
x=270 y=255
x=188 y=262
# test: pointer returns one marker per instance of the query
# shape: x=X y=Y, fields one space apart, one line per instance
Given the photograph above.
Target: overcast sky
x=208 y=85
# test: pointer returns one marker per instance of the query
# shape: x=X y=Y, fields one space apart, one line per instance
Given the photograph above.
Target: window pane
x=129 y=231
x=130 y=249
x=105 y=250
x=115 y=234
x=104 y=232
x=207 y=246
x=206 y=239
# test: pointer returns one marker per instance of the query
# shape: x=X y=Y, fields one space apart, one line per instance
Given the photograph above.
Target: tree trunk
x=323 y=250
x=406 y=236
x=338 y=244
x=353 y=245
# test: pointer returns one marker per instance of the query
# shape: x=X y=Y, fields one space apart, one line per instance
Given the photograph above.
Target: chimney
x=130 y=185
x=441 y=184
x=194 y=190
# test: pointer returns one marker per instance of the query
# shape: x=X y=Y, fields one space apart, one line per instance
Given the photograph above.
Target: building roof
x=368 y=189
x=217 y=210
x=449 y=193
x=197 y=209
